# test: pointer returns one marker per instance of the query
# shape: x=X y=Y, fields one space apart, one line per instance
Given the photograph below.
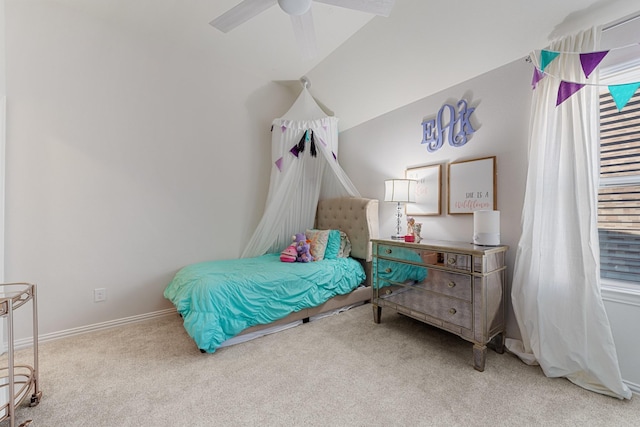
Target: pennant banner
x=589 y=61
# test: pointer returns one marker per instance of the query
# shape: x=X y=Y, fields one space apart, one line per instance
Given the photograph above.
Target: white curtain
x=556 y=284
x=299 y=181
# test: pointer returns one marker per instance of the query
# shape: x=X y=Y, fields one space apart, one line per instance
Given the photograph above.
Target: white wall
x=383 y=147
x=623 y=310
x=127 y=158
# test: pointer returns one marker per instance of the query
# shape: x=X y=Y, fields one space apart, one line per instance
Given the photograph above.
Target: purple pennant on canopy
x=279 y=164
x=283 y=128
x=591 y=60
x=567 y=89
x=294 y=150
x=537 y=76
x=334 y=156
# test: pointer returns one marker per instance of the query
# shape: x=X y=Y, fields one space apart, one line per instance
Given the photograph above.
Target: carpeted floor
x=343 y=370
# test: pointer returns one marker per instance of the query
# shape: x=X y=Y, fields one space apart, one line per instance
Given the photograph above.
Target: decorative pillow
x=345 y=245
x=333 y=245
x=319 y=240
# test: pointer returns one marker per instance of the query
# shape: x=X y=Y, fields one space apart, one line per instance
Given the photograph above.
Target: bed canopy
x=305 y=169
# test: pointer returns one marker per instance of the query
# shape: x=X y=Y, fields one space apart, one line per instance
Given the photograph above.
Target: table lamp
x=399 y=191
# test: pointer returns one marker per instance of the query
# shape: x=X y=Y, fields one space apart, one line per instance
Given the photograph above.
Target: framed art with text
x=429 y=183
x=472 y=185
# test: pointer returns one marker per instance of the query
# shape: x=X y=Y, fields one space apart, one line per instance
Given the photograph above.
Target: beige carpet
x=342 y=370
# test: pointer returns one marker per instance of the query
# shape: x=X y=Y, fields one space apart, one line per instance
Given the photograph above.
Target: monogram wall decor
x=458 y=129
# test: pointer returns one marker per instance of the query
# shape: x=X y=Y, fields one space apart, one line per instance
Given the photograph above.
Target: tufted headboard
x=355 y=216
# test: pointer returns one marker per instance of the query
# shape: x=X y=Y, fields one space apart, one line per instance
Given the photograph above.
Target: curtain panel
x=556 y=282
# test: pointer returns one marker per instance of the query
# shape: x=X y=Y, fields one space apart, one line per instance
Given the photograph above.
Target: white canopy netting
x=305 y=169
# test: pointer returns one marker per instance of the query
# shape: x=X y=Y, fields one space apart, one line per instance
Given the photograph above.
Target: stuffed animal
x=290 y=254
x=303 y=247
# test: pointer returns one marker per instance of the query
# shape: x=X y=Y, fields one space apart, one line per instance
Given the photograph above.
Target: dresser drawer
x=419 y=304
x=452 y=284
x=419 y=256
x=457 y=261
x=400 y=272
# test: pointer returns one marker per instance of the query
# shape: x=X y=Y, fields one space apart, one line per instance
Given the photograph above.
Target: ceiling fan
x=301 y=18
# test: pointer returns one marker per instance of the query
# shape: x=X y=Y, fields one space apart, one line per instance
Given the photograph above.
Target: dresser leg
x=497 y=343
x=479 y=356
x=377 y=312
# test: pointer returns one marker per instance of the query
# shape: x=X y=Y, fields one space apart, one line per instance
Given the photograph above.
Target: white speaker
x=486 y=228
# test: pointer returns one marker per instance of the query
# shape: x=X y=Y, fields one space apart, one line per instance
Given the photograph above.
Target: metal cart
x=18 y=381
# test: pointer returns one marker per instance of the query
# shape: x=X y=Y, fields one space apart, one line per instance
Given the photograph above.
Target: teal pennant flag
x=546 y=57
x=621 y=94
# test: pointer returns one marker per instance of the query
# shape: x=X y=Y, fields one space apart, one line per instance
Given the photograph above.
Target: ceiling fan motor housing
x=295 y=7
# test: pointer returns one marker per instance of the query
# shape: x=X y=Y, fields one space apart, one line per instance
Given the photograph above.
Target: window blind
x=619 y=194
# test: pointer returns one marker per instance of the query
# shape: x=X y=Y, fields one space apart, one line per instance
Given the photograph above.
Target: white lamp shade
x=400 y=190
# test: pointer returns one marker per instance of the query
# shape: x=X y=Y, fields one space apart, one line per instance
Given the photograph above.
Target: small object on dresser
x=486 y=228
x=417 y=229
x=409 y=238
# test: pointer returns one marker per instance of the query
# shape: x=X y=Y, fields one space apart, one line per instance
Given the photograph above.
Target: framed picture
x=428 y=199
x=472 y=185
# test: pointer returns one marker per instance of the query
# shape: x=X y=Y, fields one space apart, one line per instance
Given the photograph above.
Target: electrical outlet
x=99 y=294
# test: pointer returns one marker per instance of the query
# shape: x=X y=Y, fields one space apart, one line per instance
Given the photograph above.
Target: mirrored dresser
x=458 y=287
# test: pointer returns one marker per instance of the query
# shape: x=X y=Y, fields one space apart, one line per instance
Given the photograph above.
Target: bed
x=220 y=300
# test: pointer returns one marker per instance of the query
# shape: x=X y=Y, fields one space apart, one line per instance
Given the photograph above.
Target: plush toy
x=303 y=247
x=290 y=254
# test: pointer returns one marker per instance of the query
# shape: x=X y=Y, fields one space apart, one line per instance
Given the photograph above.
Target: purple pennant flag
x=567 y=89
x=591 y=60
x=537 y=76
x=322 y=140
x=294 y=150
x=334 y=156
x=283 y=127
x=279 y=164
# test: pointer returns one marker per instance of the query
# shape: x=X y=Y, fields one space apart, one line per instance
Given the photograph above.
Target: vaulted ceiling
x=367 y=65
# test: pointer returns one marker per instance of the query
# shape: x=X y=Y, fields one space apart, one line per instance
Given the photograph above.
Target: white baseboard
x=28 y=342
x=635 y=388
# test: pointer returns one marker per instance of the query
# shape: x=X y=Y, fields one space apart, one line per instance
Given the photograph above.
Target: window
x=619 y=192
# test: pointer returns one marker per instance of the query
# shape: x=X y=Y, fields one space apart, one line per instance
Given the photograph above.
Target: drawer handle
x=387 y=270
x=452 y=284
x=388 y=251
x=452 y=311
x=452 y=261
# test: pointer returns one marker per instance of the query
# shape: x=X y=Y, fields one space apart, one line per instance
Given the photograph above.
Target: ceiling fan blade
x=377 y=7
x=241 y=13
x=305 y=34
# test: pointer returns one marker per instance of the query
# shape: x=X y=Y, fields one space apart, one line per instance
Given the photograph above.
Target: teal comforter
x=219 y=299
